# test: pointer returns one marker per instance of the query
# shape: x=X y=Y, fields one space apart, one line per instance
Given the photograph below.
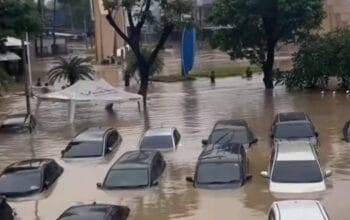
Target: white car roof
x=295 y=151
x=301 y=210
x=159 y=132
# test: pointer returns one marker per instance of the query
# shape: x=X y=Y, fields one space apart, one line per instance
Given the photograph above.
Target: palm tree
x=132 y=66
x=72 y=70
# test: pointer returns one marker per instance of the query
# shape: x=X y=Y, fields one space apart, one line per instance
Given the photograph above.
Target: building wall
x=108 y=43
x=338 y=14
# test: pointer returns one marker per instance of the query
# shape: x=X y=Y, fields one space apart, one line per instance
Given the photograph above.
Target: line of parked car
x=293 y=167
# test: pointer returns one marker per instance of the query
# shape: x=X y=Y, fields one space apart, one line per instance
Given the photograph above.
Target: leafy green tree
x=251 y=29
x=72 y=70
x=139 y=13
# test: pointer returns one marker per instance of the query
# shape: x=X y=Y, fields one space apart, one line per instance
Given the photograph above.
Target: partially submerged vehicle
x=18 y=123
x=221 y=167
x=6 y=212
x=294 y=167
x=135 y=169
x=162 y=139
x=294 y=126
x=231 y=131
x=297 y=210
x=95 y=142
x=29 y=177
x=96 y=212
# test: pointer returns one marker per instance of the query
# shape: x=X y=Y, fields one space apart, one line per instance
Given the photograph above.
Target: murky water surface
x=193 y=107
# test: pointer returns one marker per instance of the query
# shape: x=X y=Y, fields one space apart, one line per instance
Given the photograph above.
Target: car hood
x=297 y=187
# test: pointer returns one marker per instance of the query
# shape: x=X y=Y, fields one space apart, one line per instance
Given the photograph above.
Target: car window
x=294 y=130
x=296 y=172
x=157 y=168
x=221 y=136
x=85 y=212
x=158 y=142
x=50 y=173
x=218 y=173
x=240 y=136
x=177 y=137
x=84 y=149
x=272 y=215
x=112 y=139
x=127 y=178
x=21 y=181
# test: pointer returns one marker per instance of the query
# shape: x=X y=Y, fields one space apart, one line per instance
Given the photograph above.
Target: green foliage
x=319 y=58
x=132 y=66
x=18 y=17
x=249 y=28
x=72 y=70
x=5 y=80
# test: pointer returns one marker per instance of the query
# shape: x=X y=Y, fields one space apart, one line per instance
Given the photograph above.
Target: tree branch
x=165 y=34
x=131 y=21
x=144 y=14
x=111 y=21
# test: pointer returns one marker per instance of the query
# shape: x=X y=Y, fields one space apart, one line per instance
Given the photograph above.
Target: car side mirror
x=249 y=177
x=155 y=183
x=317 y=134
x=205 y=142
x=189 y=179
x=110 y=149
x=265 y=174
x=99 y=185
x=328 y=173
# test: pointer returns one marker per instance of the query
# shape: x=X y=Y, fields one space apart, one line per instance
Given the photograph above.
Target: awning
x=89 y=91
x=9 y=56
x=14 y=42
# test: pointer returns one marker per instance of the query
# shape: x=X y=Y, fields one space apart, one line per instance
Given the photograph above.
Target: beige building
x=338 y=14
x=108 y=43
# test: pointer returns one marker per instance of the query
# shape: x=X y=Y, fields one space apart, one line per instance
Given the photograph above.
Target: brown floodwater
x=192 y=107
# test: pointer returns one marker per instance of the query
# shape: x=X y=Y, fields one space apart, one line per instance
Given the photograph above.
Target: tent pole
x=71 y=106
x=30 y=79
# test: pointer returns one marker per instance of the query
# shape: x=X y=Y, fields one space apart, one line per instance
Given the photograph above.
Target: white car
x=298 y=210
x=294 y=168
x=162 y=139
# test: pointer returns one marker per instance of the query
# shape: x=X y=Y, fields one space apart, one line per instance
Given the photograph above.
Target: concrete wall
x=108 y=43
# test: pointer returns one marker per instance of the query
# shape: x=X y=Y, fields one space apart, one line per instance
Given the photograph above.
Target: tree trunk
x=144 y=75
x=268 y=65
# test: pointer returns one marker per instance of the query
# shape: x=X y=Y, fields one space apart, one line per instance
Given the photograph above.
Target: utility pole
x=26 y=78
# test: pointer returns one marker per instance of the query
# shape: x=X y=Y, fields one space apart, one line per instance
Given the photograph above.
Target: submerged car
x=96 y=212
x=6 y=212
x=162 y=139
x=297 y=210
x=294 y=126
x=221 y=167
x=231 y=131
x=29 y=177
x=93 y=142
x=18 y=123
x=135 y=169
x=294 y=168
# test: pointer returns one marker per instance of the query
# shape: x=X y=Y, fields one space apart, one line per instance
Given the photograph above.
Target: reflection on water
x=193 y=107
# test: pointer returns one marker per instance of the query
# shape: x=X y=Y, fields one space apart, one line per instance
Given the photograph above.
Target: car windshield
x=240 y=136
x=86 y=213
x=294 y=130
x=20 y=181
x=157 y=142
x=120 y=178
x=84 y=149
x=296 y=172
x=221 y=136
x=216 y=173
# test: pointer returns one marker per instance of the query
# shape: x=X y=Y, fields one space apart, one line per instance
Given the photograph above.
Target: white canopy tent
x=9 y=56
x=89 y=91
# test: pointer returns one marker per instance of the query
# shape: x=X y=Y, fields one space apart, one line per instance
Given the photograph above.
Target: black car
x=29 y=177
x=231 y=131
x=6 y=212
x=96 y=212
x=294 y=126
x=135 y=169
x=93 y=142
x=221 y=166
x=18 y=123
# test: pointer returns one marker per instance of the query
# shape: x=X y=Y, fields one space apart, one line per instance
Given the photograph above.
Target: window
x=177 y=137
x=221 y=136
x=84 y=149
x=120 y=178
x=157 y=142
x=111 y=141
x=297 y=172
x=20 y=181
x=50 y=173
x=272 y=215
x=294 y=130
x=216 y=173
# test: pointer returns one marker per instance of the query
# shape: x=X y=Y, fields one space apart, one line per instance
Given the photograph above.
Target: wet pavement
x=192 y=107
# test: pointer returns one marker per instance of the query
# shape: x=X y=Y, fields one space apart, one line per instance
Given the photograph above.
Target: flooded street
x=192 y=107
